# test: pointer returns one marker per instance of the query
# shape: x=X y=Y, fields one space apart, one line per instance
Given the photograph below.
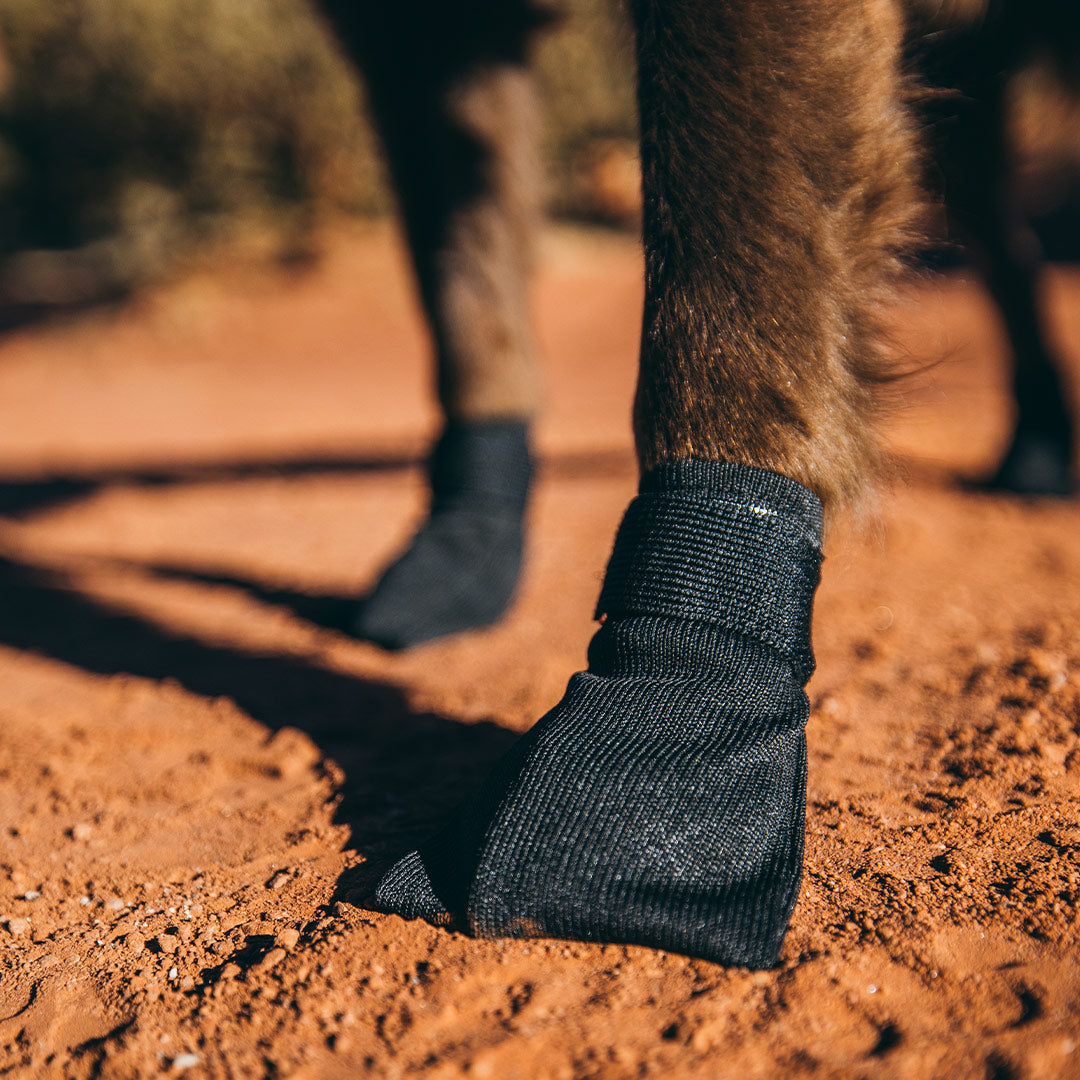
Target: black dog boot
x=460 y=569
x=662 y=801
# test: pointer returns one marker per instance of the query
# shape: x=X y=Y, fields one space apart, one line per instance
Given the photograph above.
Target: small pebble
x=85 y=901
x=167 y=943
x=18 y=926
x=80 y=831
x=279 y=879
x=173 y=972
x=287 y=939
x=33 y=894
x=115 y=904
x=184 y=1061
x=230 y=971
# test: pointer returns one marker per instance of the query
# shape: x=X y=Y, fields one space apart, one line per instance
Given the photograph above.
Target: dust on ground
x=198 y=783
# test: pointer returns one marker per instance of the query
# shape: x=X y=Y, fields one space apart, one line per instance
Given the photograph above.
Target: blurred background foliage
x=139 y=135
x=135 y=134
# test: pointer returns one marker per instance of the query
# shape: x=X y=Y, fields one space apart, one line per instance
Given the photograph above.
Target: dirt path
x=197 y=782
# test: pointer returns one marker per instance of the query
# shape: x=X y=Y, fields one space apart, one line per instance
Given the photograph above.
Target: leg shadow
x=404 y=770
x=23 y=495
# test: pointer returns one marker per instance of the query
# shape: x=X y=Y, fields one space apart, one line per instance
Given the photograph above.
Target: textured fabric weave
x=462 y=566
x=702 y=542
x=661 y=802
x=481 y=462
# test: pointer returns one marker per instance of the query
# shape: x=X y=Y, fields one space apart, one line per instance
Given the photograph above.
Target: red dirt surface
x=198 y=783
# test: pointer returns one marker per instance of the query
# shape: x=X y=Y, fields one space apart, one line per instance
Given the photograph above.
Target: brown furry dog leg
x=453 y=100
x=776 y=160
x=454 y=104
x=975 y=60
x=1039 y=458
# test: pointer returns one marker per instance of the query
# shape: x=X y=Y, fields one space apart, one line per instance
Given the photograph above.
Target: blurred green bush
x=134 y=132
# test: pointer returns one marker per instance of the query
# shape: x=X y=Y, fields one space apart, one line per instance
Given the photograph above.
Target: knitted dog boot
x=662 y=801
x=461 y=568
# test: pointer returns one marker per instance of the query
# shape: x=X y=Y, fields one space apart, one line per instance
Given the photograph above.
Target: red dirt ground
x=197 y=783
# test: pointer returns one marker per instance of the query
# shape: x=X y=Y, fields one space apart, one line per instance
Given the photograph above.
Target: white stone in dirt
x=278 y=880
x=184 y=1061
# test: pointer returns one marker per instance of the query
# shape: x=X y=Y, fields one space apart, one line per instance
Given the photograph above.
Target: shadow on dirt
x=23 y=495
x=403 y=770
x=330 y=612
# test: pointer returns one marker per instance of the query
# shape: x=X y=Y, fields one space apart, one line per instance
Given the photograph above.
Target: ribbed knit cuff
x=731 y=545
x=482 y=461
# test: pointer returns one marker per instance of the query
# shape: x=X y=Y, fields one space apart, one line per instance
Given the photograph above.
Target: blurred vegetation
x=136 y=132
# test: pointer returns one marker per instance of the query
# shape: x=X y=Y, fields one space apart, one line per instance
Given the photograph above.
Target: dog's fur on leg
x=454 y=103
x=776 y=154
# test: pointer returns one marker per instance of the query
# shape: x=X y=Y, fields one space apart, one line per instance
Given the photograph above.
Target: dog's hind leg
x=453 y=101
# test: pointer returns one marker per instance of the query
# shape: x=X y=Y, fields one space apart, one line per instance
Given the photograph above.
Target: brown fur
x=777 y=178
x=776 y=181
x=454 y=104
